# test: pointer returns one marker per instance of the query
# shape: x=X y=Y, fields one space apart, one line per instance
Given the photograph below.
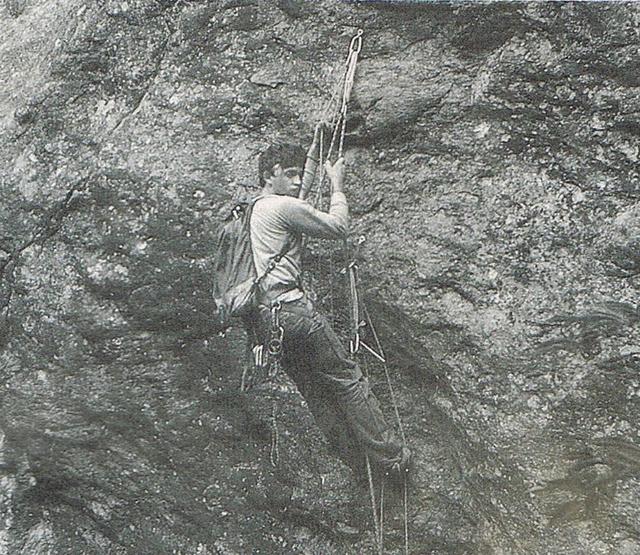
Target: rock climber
x=336 y=391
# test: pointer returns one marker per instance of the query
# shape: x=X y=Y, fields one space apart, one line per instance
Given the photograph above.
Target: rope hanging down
x=339 y=126
x=337 y=116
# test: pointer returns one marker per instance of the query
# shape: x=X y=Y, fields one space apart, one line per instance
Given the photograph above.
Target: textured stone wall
x=492 y=154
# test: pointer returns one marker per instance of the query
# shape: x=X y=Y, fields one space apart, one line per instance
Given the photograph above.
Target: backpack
x=235 y=280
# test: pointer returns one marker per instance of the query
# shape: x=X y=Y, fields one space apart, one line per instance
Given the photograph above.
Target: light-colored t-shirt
x=277 y=219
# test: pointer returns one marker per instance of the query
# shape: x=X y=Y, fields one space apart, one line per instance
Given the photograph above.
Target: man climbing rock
x=333 y=385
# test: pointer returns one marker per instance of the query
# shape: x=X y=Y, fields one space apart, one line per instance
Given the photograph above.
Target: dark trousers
x=334 y=387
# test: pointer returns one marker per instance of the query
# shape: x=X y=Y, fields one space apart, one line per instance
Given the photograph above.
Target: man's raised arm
x=334 y=224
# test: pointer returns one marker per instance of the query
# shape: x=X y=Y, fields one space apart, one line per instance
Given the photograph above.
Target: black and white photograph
x=319 y=277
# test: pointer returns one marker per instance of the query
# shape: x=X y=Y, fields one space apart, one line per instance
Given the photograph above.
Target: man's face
x=286 y=181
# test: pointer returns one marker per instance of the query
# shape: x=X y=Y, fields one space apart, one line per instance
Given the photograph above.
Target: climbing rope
x=338 y=119
x=335 y=114
x=352 y=60
x=400 y=426
x=374 y=508
x=394 y=403
x=274 y=454
x=381 y=540
x=338 y=123
x=406 y=516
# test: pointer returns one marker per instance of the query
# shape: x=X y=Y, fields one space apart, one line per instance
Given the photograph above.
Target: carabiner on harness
x=276 y=338
x=275 y=343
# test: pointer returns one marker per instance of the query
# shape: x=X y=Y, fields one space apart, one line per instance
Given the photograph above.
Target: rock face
x=492 y=155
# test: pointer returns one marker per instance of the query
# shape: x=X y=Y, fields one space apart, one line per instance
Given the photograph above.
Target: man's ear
x=277 y=170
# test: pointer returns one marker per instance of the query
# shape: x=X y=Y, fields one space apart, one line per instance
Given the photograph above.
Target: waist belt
x=281 y=295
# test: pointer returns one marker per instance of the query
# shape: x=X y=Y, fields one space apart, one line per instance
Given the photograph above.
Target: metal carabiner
x=275 y=316
x=275 y=343
x=275 y=347
x=356 y=39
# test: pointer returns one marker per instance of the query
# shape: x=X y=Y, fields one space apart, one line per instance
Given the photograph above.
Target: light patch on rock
x=40 y=539
x=269 y=77
x=630 y=151
x=492 y=276
x=482 y=130
x=101 y=270
x=578 y=197
x=23 y=169
x=597 y=123
x=99 y=509
x=7 y=488
x=491 y=320
x=171 y=192
x=103 y=108
x=480 y=85
x=629 y=220
x=139 y=247
x=28 y=189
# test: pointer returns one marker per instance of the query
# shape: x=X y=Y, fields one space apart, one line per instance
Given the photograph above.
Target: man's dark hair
x=288 y=155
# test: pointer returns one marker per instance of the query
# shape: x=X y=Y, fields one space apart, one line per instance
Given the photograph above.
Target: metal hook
x=356 y=39
x=275 y=346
